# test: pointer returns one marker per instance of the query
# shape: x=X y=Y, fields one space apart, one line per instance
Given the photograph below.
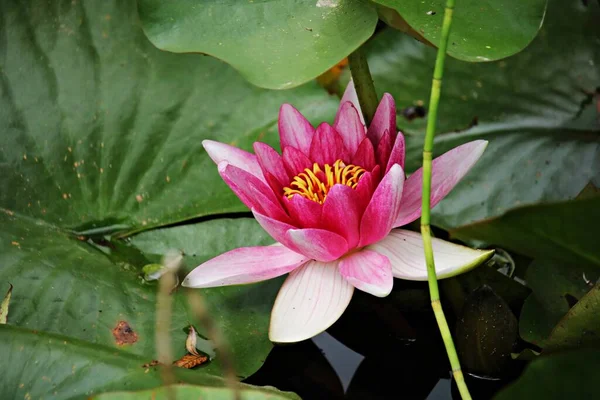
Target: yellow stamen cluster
x=315 y=183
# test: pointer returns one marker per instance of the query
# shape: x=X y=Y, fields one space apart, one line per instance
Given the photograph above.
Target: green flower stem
x=365 y=90
x=434 y=100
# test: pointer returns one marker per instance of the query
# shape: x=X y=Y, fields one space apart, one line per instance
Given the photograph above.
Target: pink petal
x=277 y=229
x=350 y=96
x=294 y=129
x=384 y=119
x=383 y=208
x=244 y=265
x=327 y=146
x=253 y=192
x=447 y=170
x=384 y=149
x=311 y=299
x=350 y=126
x=239 y=158
x=405 y=251
x=270 y=161
x=368 y=271
x=342 y=212
x=366 y=187
x=317 y=244
x=306 y=213
x=398 y=152
x=295 y=161
x=365 y=155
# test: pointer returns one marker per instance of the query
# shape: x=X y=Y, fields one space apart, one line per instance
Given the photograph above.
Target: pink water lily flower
x=331 y=200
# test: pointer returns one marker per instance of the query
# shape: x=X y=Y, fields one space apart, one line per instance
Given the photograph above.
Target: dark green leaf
x=40 y=365
x=101 y=131
x=543 y=138
x=67 y=286
x=580 y=326
x=485 y=333
x=556 y=287
x=568 y=375
x=566 y=231
x=274 y=44
x=481 y=30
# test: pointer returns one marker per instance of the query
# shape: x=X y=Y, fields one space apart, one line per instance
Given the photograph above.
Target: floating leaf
x=580 y=326
x=274 y=44
x=481 y=30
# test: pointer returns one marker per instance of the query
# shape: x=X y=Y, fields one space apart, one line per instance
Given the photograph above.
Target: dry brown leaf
x=189 y=361
x=4 y=306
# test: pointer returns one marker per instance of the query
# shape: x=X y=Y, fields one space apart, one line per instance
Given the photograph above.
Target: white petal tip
x=484 y=255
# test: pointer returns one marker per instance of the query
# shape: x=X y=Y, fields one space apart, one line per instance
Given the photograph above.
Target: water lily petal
x=306 y=213
x=350 y=96
x=311 y=299
x=244 y=265
x=342 y=212
x=383 y=208
x=447 y=170
x=384 y=119
x=405 y=251
x=253 y=192
x=219 y=152
x=368 y=271
x=366 y=186
x=295 y=161
x=350 y=126
x=271 y=162
x=277 y=229
x=398 y=152
x=384 y=149
x=294 y=129
x=327 y=146
x=365 y=155
x=317 y=244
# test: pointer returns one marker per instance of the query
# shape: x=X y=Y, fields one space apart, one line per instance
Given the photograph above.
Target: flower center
x=315 y=183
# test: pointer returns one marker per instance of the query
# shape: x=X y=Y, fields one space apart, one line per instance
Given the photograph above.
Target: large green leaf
x=481 y=30
x=566 y=231
x=274 y=44
x=535 y=109
x=39 y=365
x=193 y=392
x=98 y=128
x=568 y=375
x=66 y=286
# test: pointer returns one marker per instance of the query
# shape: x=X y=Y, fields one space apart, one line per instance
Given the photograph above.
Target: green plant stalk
x=436 y=88
x=363 y=83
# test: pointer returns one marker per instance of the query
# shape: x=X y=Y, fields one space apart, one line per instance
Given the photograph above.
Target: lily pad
x=274 y=44
x=97 y=294
x=100 y=131
x=481 y=30
x=544 y=140
x=556 y=286
x=568 y=375
x=549 y=231
x=580 y=326
x=39 y=365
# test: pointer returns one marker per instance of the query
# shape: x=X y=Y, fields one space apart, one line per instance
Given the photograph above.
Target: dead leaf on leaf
x=124 y=334
x=4 y=306
x=190 y=361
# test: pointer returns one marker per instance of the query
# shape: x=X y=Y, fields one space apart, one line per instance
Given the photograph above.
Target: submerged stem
x=436 y=88
x=363 y=83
